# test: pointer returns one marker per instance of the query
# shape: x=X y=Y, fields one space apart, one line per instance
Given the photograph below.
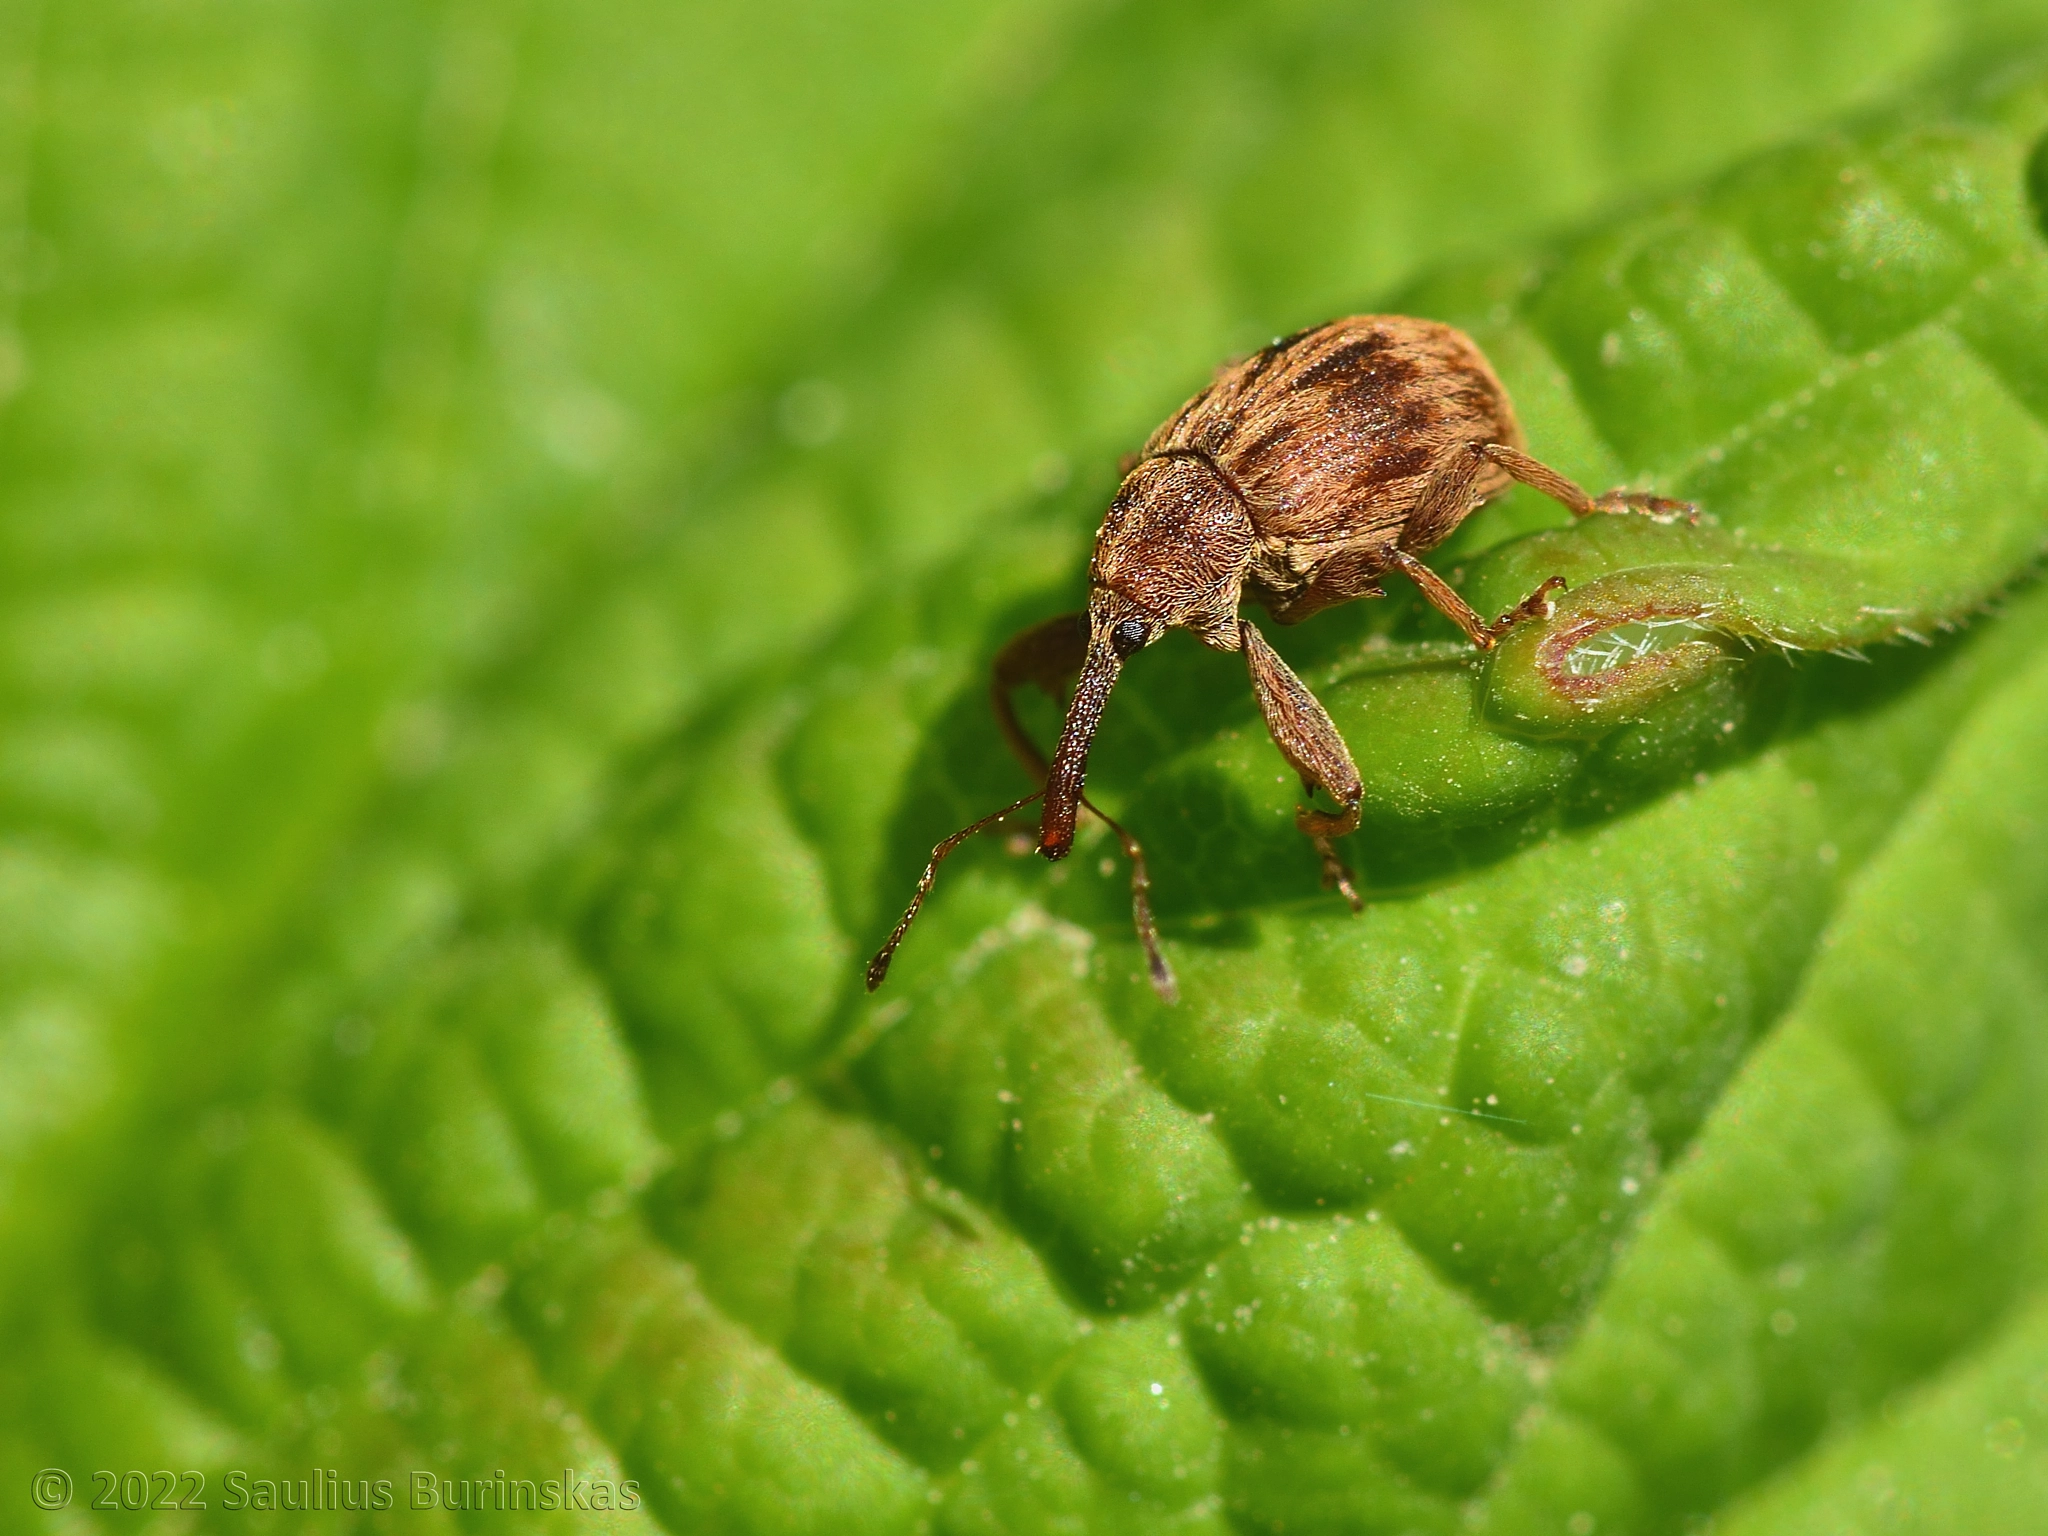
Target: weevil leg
x=1049 y=655
x=1539 y=476
x=1448 y=497
x=1448 y=494
x=1444 y=598
x=1313 y=746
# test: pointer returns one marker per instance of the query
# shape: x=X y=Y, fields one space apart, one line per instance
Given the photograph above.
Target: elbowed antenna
x=1070 y=758
x=1064 y=801
x=1160 y=973
x=878 y=968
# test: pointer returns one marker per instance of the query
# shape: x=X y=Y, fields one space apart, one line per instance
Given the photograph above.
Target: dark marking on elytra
x=1360 y=365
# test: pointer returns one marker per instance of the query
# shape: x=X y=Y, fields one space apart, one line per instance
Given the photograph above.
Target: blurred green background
x=437 y=442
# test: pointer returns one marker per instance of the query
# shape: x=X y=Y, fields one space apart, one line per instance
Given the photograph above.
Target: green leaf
x=508 y=512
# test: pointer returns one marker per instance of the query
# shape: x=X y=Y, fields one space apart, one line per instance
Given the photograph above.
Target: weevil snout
x=1118 y=628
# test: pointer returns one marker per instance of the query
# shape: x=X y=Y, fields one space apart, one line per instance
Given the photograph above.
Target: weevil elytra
x=1301 y=476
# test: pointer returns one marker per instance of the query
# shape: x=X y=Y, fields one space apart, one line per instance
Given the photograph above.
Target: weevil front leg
x=1313 y=746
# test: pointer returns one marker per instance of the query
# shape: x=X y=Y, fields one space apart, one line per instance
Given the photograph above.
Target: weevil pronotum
x=1297 y=479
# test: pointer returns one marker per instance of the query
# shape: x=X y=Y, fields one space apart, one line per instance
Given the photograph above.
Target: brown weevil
x=1301 y=476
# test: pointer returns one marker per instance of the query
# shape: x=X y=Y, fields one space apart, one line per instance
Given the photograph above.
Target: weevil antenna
x=1141 y=907
x=878 y=968
x=1141 y=901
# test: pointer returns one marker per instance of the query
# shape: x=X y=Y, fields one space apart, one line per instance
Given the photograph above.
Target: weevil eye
x=1128 y=638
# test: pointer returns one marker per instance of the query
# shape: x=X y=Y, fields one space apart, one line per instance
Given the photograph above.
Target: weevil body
x=1301 y=476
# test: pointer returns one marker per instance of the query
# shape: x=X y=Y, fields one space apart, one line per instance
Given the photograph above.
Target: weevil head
x=1172 y=554
x=1174 y=547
